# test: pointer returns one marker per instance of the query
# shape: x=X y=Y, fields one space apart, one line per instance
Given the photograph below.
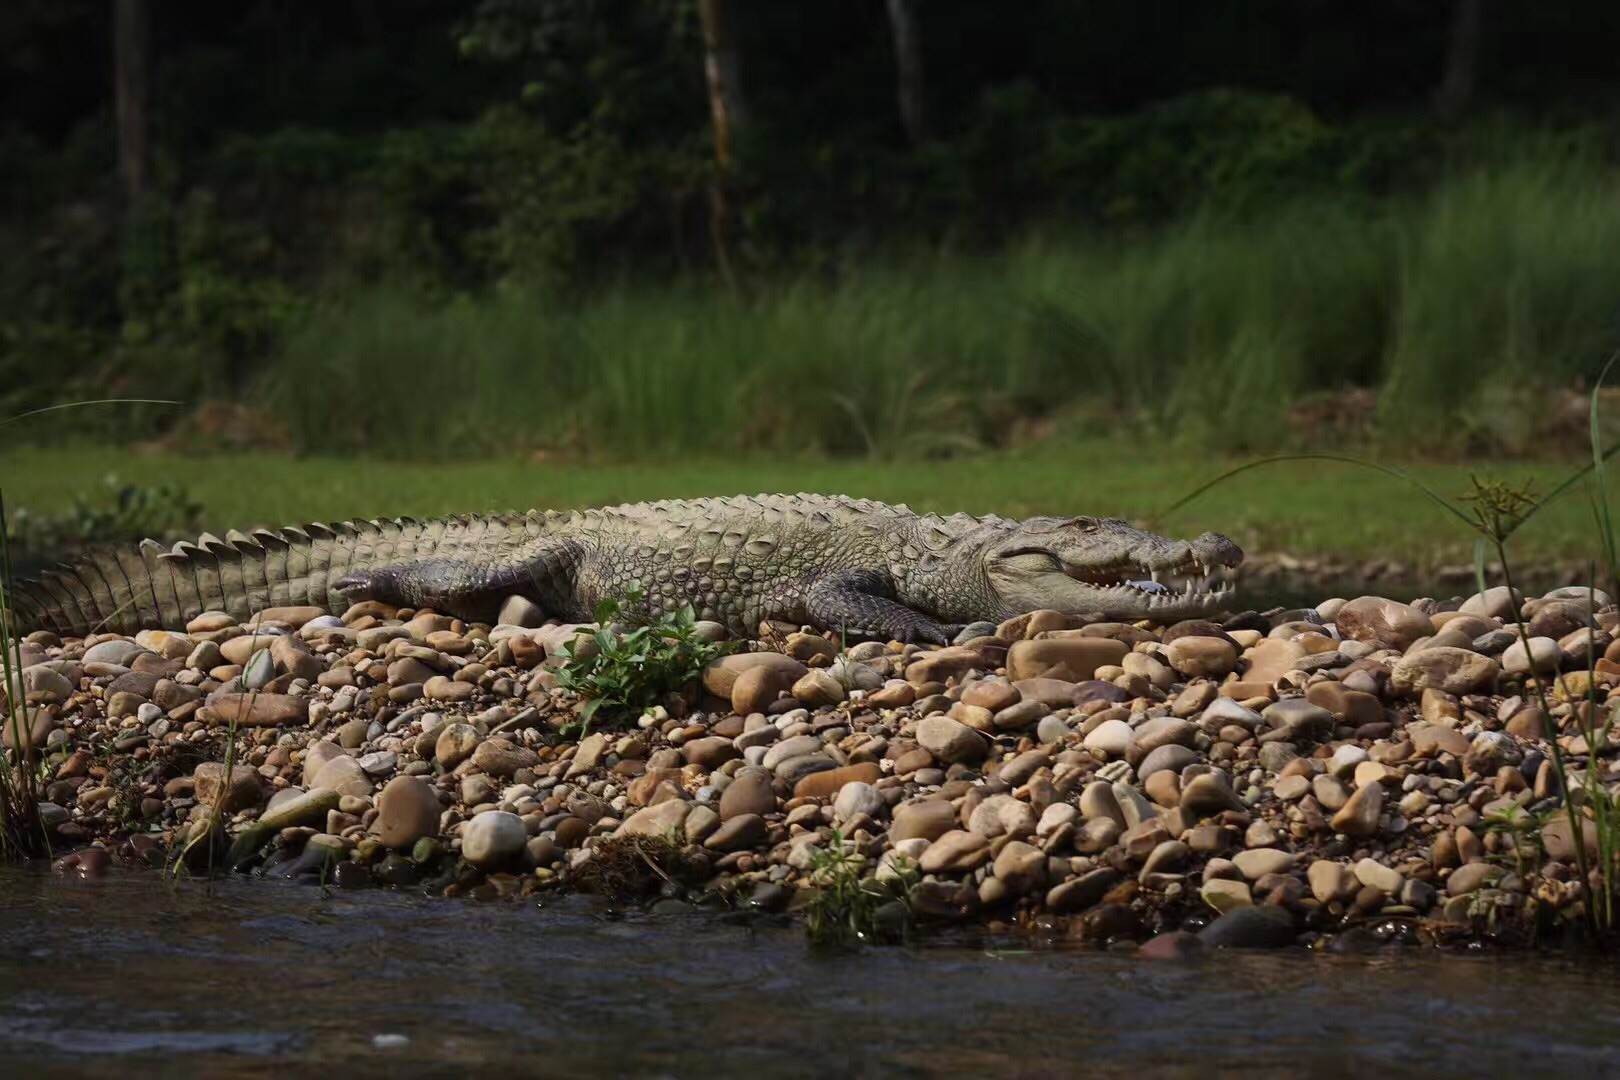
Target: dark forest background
x=268 y=202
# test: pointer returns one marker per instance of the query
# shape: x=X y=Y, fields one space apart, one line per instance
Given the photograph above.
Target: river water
x=131 y=976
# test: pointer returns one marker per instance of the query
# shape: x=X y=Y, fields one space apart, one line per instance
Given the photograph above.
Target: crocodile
x=867 y=568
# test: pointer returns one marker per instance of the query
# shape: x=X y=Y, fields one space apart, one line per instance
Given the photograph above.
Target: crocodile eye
x=1084 y=524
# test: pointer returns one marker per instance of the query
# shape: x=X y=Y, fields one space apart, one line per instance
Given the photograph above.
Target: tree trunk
x=908 y=61
x=131 y=84
x=1456 y=90
x=720 y=68
x=729 y=117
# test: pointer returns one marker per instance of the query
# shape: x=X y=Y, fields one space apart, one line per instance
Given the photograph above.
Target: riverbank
x=1269 y=780
x=1346 y=523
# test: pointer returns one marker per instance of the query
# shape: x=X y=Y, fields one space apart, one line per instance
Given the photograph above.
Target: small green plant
x=849 y=907
x=1522 y=830
x=621 y=675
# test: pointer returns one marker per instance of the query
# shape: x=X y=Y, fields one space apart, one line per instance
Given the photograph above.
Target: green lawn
x=1307 y=508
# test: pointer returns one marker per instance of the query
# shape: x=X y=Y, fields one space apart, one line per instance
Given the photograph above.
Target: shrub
x=621 y=675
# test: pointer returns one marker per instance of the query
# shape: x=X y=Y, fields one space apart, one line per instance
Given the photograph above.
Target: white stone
x=493 y=839
x=858 y=797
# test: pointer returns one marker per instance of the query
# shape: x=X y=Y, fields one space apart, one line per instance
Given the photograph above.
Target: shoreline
x=1266 y=781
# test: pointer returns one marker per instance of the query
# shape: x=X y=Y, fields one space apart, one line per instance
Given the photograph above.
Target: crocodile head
x=1087 y=564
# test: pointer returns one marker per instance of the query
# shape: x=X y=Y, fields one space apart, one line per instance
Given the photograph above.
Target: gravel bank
x=1353 y=773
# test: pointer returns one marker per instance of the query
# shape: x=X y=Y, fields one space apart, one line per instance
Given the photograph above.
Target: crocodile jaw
x=1090 y=565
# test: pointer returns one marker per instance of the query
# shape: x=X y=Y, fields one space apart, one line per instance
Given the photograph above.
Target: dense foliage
x=463 y=153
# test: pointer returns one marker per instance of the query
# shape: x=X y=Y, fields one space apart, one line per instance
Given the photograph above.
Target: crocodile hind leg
x=861 y=603
x=449 y=586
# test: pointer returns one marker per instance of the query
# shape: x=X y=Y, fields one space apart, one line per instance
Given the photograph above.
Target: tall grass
x=21 y=832
x=1507 y=277
x=1503 y=277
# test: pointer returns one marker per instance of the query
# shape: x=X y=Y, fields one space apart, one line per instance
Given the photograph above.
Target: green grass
x=1463 y=307
x=1305 y=508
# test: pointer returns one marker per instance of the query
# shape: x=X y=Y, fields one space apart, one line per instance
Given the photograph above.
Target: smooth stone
x=1446 y=668
x=954 y=852
x=407 y=810
x=720 y=677
x=660 y=819
x=1330 y=880
x=1073 y=658
x=1002 y=815
x=245 y=791
x=1250 y=928
x=1375 y=875
x=1171 y=758
x=1021 y=866
x=1198 y=656
x=290 y=807
x=749 y=793
x=1225 y=895
x=1159 y=732
x=493 y=839
x=501 y=757
x=1471 y=878
x=1209 y=794
x=254 y=710
x=857 y=798
x=1256 y=863
x=928 y=819
x=1359 y=816
x=1112 y=737
x=738 y=834
x=1387 y=622
x=455 y=744
x=1080 y=893
x=951 y=742
x=344 y=775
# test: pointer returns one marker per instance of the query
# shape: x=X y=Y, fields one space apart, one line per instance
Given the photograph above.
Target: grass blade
x=1434 y=496
x=1600 y=501
x=18 y=798
x=80 y=404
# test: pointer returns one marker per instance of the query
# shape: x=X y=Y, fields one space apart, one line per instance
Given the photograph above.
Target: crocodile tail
x=150 y=587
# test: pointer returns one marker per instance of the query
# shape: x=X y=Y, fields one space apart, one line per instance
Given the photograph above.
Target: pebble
x=291 y=807
x=494 y=839
x=1359 y=815
x=407 y=811
x=1250 y=928
x=660 y=819
x=857 y=798
x=950 y=741
x=929 y=819
x=1224 y=895
x=1375 y=875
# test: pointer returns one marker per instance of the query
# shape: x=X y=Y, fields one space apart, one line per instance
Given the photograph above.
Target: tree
x=721 y=70
x=1456 y=90
x=909 y=68
x=729 y=115
x=131 y=90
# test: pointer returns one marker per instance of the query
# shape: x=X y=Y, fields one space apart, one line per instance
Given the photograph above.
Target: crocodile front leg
x=861 y=603
x=449 y=586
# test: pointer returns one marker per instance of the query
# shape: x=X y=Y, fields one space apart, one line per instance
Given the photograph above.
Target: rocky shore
x=1362 y=772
